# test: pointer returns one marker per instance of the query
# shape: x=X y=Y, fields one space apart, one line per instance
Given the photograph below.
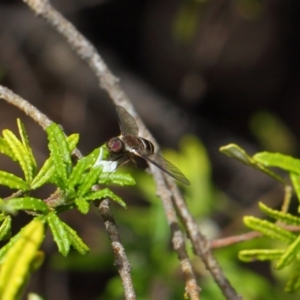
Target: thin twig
x=109 y=83
x=228 y=241
x=14 y=99
x=41 y=119
x=191 y=286
x=121 y=260
x=202 y=246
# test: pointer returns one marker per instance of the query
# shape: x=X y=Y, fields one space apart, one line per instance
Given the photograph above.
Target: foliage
x=145 y=222
x=75 y=184
x=287 y=254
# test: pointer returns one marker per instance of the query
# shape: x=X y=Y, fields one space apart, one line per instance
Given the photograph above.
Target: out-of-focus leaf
x=284 y=162
x=279 y=215
x=289 y=255
x=5 y=248
x=240 y=154
x=260 y=254
x=293 y=283
x=295 y=178
x=5 y=228
x=18 y=260
x=265 y=126
x=269 y=229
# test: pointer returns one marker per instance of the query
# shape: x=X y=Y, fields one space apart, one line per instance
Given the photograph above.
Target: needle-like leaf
x=60 y=235
x=28 y=203
x=60 y=152
x=18 y=260
x=5 y=228
x=13 y=181
x=269 y=229
x=48 y=169
x=20 y=153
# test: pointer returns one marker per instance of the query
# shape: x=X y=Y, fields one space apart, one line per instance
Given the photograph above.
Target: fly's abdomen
x=147 y=146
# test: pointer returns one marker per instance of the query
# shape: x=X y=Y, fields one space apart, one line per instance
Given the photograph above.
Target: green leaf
x=25 y=142
x=269 y=229
x=295 y=178
x=28 y=203
x=240 y=154
x=284 y=162
x=289 y=255
x=5 y=248
x=82 y=205
x=116 y=178
x=46 y=172
x=13 y=181
x=6 y=150
x=20 y=153
x=18 y=260
x=60 y=152
x=5 y=228
x=76 y=241
x=89 y=180
x=260 y=254
x=293 y=283
x=76 y=176
x=279 y=215
x=59 y=233
x=34 y=296
x=105 y=193
x=93 y=156
x=6 y=208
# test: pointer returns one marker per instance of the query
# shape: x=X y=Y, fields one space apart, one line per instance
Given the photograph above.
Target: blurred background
x=201 y=74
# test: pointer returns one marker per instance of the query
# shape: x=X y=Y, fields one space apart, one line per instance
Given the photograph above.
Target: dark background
x=203 y=68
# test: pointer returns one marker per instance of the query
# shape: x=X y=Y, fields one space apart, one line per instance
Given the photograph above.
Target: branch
x=191 y=286
x=109 y=83
x=31 y=111
x=121 y=260
x=225 y=242
x=201 y=245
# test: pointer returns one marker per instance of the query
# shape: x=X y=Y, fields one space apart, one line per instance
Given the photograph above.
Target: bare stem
x=14 y=99
x=201 y=245
x=121 y=260
x=225 y=242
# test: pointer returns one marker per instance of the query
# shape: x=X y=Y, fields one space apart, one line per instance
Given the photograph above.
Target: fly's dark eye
x=115 y=145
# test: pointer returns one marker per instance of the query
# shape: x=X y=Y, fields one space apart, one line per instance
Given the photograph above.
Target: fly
x=130 y=144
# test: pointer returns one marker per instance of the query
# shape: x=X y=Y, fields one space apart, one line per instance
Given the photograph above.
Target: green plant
x=287 y=249
x=77 y=184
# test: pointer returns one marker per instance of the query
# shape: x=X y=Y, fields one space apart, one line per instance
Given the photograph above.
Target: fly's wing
x=165 y=166
x=127 y=122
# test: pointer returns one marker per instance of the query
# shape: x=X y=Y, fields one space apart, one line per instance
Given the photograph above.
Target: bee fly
x=130 y=144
